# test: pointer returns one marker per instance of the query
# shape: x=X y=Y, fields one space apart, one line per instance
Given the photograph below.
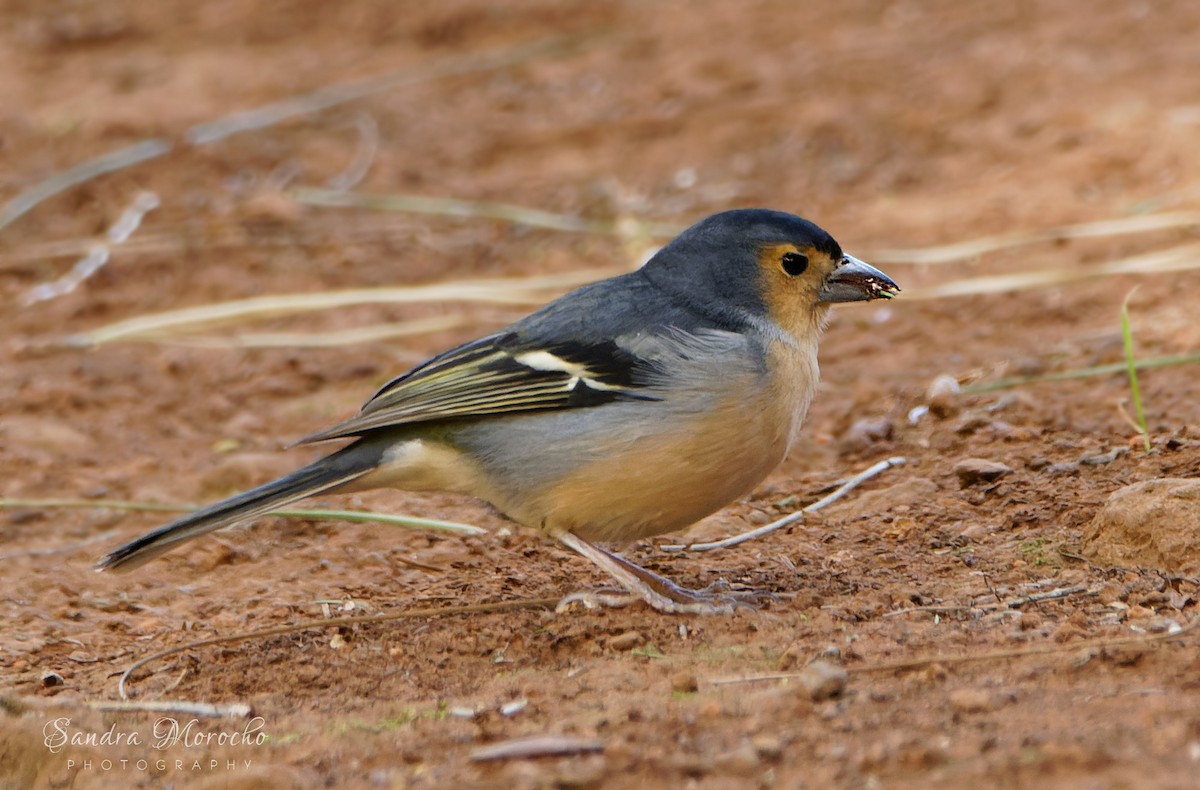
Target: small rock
x=52 y=679
x=866 y=432
x=514 y=707
x=917 y=413
x=1163 y=625
x=974 y=533
x=769 y=747
x=822 y=680
x=970 y=423
x=1155 y=524
x=943 y=405
x=942 y=385
x=684 y=682
x=971 y=700
x=979 y=470
x=1104 y=458
x=626 y=641
x=832 y=654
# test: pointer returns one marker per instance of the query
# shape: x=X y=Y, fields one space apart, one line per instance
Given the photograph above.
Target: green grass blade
x=357 y=516
x=1131 y=363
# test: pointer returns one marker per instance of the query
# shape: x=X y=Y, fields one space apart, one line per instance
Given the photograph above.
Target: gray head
x=760 y=263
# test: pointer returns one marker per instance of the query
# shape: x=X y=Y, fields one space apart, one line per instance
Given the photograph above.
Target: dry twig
x=846 y=487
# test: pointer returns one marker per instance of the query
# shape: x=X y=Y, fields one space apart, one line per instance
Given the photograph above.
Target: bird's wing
x=502 y=374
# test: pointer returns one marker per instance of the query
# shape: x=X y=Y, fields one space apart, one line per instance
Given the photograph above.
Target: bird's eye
x=794 y=263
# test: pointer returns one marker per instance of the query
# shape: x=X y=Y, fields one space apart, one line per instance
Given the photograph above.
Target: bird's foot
x=659 y=592
x=669 y=597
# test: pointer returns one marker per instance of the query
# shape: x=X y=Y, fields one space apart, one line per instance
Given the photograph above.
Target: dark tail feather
x=319 y=477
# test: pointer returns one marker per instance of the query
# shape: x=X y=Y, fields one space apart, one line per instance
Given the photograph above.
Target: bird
x=630 y=407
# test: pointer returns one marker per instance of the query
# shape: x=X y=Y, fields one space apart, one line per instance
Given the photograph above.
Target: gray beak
x=855 y=281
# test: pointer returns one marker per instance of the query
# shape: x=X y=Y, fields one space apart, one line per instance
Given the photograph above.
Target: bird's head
x=764 y=264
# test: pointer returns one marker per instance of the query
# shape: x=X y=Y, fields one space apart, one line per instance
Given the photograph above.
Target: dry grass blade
x=536 y=746
x=157 y=326
x=842 y=490
x=235 y=710
x=1172 y=260
x=345 y=337
x=64 y=180
x=475 y=209
x=539 y=289
x=950 y=253
x=98 y=254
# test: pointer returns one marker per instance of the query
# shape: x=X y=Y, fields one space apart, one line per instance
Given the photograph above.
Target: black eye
x=794 y=263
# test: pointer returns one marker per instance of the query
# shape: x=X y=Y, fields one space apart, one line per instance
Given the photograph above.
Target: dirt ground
x=895 y=125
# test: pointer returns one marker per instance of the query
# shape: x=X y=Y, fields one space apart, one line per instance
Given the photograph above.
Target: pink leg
x=659 y=592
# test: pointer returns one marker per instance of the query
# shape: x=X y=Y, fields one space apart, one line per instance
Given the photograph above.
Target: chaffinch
x=628 y=408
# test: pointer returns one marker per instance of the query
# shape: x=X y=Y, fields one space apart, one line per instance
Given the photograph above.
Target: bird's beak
x=855 y=281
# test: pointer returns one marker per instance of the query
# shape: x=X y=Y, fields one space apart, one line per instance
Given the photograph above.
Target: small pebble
x=769 y=747
x=970 y=423
x=684 y=682
x=979 y=470
x=514 y=707
x=942 y=385
x=866 y=432
x=52 y=679
x=822 y=680
x=1104 y=458
x=1163 y=625
x=626 y=641
x=971 y=700
x=975 y=532
x=944 y=405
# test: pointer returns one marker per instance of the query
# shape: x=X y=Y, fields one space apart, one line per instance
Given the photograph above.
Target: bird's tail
x=327 y=474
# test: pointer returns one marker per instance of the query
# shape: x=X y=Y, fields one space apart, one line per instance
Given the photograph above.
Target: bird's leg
x=640 y=584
